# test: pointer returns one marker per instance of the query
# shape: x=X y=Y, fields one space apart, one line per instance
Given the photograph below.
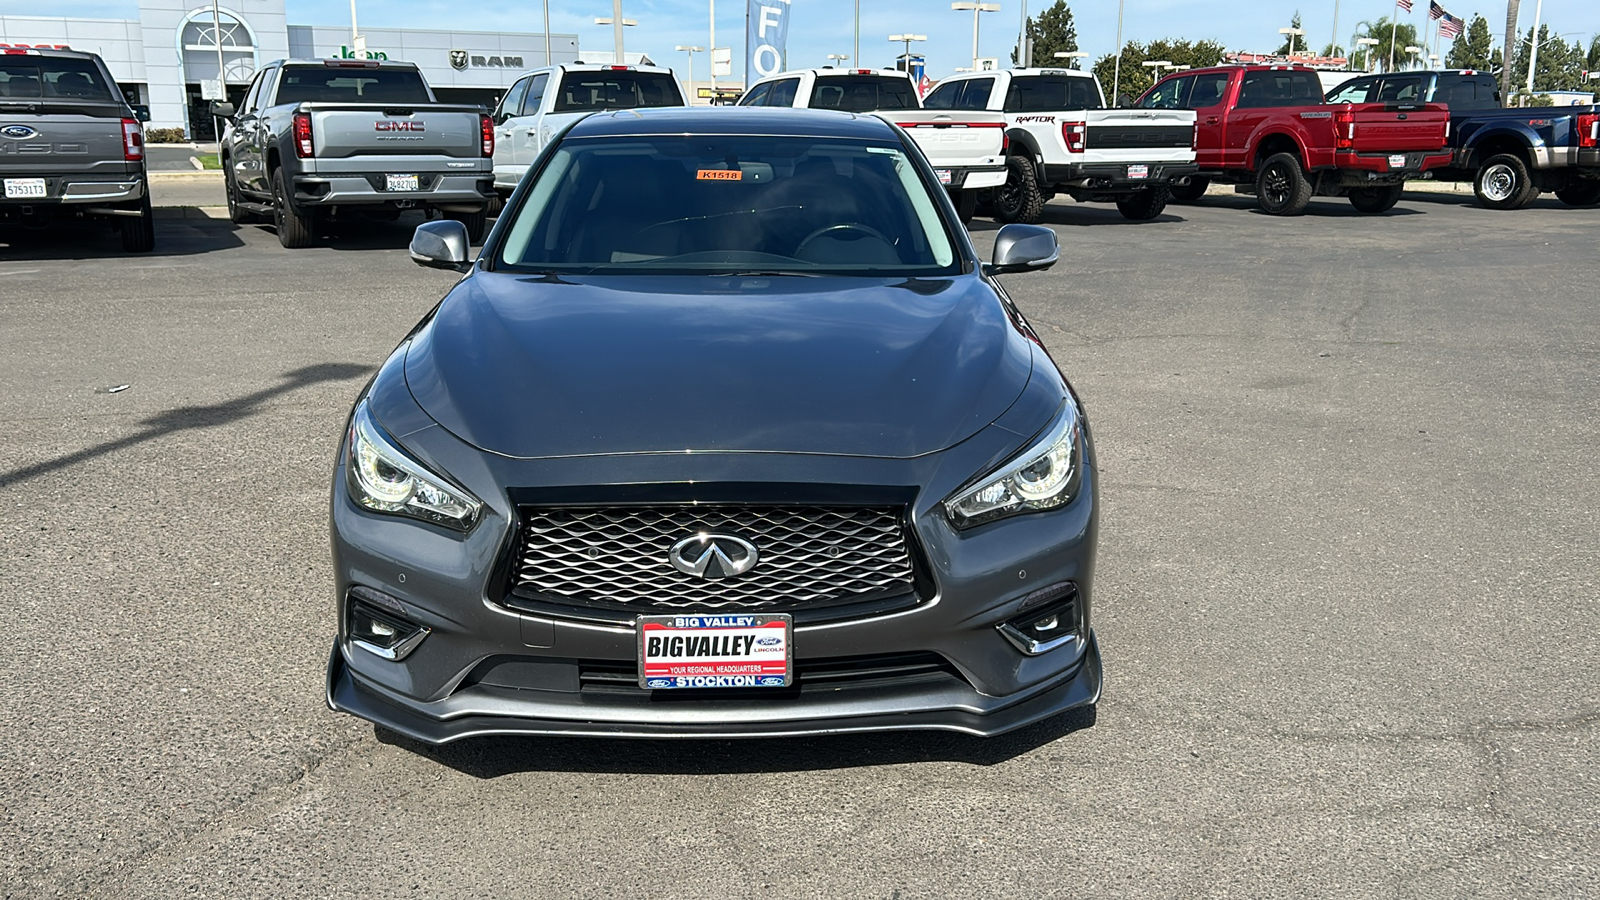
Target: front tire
x=1282 y=188
x=230 y=187
x=1503 y=182
x=966 y=205
x=1142 y=206
x=139 y=235
x=1580 y=193
x=1190 y=192
x=1376 y=199
x=1019 y=199
x=295 y=229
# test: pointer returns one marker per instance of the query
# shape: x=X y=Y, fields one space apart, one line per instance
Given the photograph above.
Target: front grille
x=620 y=676
x=808 y=556
x=1130 y=137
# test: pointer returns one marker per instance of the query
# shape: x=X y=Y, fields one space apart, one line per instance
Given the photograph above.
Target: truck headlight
x=1044 y=476
x=384 y=478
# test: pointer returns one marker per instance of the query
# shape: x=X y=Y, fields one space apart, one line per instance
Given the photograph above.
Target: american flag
x=1403 y=4
x=1435 y=11
x=1449 y=27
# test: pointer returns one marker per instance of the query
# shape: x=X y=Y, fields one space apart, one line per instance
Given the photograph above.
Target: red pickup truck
x=1267 y=127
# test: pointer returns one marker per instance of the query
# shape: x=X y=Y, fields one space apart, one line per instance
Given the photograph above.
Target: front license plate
x=404 y=183
x=21 y=188
x=1397 y=161
x=944 y=175
x=1138 y=171
x=715 y=651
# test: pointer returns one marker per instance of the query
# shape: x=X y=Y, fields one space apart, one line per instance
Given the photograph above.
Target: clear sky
x=821 y=27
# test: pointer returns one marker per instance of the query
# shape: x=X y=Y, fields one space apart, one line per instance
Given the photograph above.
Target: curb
x=202 y=176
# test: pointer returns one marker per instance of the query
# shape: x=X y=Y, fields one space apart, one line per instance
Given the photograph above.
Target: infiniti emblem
x=713 y=556
x=18 y=132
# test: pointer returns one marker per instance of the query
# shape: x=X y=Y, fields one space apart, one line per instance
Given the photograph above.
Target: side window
x=975 y=94
x=757 y=96
x=535 y=98
x=512 y=101
x=1208 y=90
x=944 y=96
x=1353 y=91
x=782 y=93
x=1401 y=89
x=249 y=104
x=1168 y=94
x=1280 y=88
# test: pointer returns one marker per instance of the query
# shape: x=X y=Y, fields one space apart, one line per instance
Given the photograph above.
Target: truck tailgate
x=64 y=140
x=1139 y=135
x=957 y=139
x=1380 y=128
x=342 y=131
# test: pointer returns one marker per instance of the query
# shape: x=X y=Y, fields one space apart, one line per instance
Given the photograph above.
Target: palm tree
x=1512 y=8
x=1392 y=40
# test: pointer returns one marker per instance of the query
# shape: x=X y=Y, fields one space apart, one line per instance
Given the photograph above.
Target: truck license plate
x=715 y=651
x=944 y=175
x=404 y=183
x=20 y=188
x=1397 y=161
x=1138 y=171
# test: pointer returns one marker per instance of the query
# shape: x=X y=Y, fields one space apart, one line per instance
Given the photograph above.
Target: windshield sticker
x=720 y=175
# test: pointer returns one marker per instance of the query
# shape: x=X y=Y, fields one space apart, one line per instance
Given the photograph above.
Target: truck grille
x=617 y=557
x=1131 y=137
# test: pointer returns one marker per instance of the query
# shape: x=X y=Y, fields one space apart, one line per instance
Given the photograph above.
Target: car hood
x=544 y=366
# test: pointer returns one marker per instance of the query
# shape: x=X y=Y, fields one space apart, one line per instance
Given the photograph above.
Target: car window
x=1354 y=91
x=1400 y=89
x=612 y=89
x=1280 y=88
x=512 y=101
x=944 y=96
x=535 y=98
x=782 y=93
x=1045 y=93
x=975 y=93
x=342 y=84
x=757 y=95
x=863 y=93
x=249 y=104
x=1467 y=92
x=1168 y=94
x=703 y=204
x=59 y=77
x=1209 y=89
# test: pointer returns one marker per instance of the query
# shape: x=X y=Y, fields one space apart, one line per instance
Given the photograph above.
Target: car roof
x=832 y=72
x=49 y=51
x=754 y=120
x=347 y=63
x=596 y=67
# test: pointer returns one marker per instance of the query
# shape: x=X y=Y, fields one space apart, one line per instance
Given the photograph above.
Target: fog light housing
x=383 y=632
x=1051 y=620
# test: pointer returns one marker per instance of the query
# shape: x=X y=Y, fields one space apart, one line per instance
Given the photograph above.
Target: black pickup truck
x=69 y=145
x=1509 y=155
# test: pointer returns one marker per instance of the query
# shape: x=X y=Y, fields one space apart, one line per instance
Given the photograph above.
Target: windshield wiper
x=764 y=273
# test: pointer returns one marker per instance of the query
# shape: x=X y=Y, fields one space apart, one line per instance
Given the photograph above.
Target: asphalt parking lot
x=1347 y=592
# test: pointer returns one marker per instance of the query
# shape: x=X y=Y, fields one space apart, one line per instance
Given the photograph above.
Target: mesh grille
x=808 y=556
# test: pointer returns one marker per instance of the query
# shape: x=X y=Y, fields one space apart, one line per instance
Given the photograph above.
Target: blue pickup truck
x=1509 y=155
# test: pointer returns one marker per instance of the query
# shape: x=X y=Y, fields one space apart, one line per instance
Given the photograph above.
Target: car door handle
x=1212 y=120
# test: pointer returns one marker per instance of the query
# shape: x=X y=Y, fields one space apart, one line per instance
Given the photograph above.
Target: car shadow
x=494 y=757
x=1468 y=199
x=179 y=232
x=1079 y=215
x=358 y=233
x=1321 y=207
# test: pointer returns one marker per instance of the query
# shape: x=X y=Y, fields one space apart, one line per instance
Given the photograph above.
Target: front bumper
x=472 y=189
x=71 y=189
x=1114 y=178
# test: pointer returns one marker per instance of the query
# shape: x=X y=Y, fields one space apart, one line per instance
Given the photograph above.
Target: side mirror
x=441 y=245
x=221 y=109
x=1023 y=248
x=1124 y=101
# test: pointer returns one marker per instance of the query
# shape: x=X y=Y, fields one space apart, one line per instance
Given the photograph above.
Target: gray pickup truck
x=316 y=139
x=69 y=145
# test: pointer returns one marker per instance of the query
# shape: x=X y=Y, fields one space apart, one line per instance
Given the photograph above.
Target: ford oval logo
x=18 y=132
x=713 y=557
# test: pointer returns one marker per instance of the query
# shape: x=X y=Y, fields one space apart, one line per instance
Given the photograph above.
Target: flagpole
x=1394 y=28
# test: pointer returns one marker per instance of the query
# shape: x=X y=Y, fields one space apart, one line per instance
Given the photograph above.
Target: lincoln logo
x=400 y=126
x=713 y=557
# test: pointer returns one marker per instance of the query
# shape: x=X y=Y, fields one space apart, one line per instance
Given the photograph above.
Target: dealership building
x=161 y=58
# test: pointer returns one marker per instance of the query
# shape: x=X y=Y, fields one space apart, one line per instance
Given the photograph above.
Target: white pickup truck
x=966 y=149
x=544 y=101
x=1064 y=141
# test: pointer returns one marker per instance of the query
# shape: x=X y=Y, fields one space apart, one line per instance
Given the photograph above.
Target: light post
x=691 y=51
x=1292 y=33
x=1116 y=68
x=1433 y=60
x=837 y=58
x=1155 y=66
x=907 y=39
x=857 y=48
x=616 y=21
x=1533 y=55
x=1412 y=52
x=1366 y=44
x=546 y=32
x=977 y=9
x=1070 y=55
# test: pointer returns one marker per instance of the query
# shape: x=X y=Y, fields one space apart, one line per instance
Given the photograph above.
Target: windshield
x=63 y=78
x=583 y=91
x=863 y=93
x=336 y=84
x=719 y=204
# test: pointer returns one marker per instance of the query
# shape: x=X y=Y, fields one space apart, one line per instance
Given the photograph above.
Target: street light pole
x=616 y=30
x=1116 y=70
x=1533 y=54
x=977 y=9
x=547 y=32
x=712 y=45
x=857 y=49
x=907 y=39
x=691 y=51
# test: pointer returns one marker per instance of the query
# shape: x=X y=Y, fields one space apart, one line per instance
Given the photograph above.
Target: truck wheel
x=139 y=235
x=1376 y=199
x=1281 y=186
x=1142 y=206
x=495 y=206
x=477 y=224
x=966 y=205
x=295 y=229
x=1189 y=193
x=1503 y=183
x=1019 y=199
x=1580 y=193
x=236 y=213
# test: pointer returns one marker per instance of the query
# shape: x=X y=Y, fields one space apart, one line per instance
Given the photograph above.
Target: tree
x=1592 y=63
x=1136 y=79
x=1389 y=37
x=1512 y=8
x=1052 y=32
x=1472 y=50
x=1559 y=67
x=1296 y=40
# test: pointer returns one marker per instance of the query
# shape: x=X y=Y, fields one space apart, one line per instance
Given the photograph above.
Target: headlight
x=382 y=477
x=1044 y=476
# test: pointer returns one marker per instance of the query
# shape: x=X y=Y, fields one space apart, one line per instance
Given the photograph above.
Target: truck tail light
x=1005 y=143
x=1194 y=138
x=1073 y=134
x=486 y=131
x=1344 y=129
x=132 y=140
x=303 y=146
x=1589 y=130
